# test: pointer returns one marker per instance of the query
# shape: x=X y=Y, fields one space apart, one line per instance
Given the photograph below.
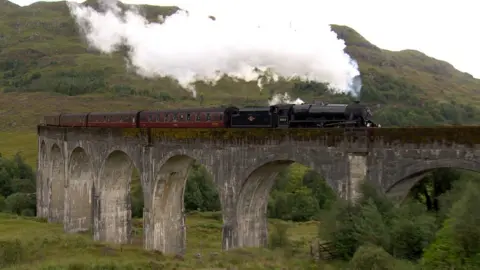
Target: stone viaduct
x=83 y=174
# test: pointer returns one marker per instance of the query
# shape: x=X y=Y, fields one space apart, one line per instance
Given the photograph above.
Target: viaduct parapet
x=84 y=174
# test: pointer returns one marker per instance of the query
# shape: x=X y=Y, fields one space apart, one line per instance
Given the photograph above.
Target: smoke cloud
x=284 y=99
x=208 y=39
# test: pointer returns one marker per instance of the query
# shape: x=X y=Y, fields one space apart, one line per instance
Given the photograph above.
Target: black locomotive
x=316 y=115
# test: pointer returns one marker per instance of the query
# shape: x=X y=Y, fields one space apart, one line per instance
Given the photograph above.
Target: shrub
x=278 y=237
x=11 y=252
x=370 y=257
x=17 y=202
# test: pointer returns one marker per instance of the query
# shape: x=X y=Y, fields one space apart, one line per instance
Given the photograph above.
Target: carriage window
x=208 y=117
x=188 y=117
x=174 y=117
x=181 y=116
x=165 y=118
x=150 y=118
x=221 y=117
x=198 y=117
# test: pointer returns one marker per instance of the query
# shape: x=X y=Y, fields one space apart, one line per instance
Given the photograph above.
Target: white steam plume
x=284 y=99
x=237 y=38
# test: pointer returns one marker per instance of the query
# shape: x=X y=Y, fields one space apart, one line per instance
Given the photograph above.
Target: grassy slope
x=44 y=245
x=437 y=80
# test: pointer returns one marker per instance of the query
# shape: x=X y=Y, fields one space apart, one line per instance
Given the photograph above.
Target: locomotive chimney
x=357 y=101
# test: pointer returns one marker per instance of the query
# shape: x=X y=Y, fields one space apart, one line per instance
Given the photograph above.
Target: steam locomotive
x=315 y=115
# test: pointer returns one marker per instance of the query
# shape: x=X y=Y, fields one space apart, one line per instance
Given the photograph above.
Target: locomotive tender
x=316 y=115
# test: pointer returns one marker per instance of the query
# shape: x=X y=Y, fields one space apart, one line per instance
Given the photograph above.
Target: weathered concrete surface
x=84 y=174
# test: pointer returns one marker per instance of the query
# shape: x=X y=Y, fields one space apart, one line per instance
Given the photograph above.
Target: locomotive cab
x=228 y=113
x=281 y=115
x=360 y=114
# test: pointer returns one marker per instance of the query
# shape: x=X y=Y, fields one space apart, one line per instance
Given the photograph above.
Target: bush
x=457 y=243
x=444 y=253
x=412 y=230
x=27 y=212
x=2 y=203
x=371 y=227
x=17 y=202
x=402 y=231
x=11 y=252
x=348 y=225
x=370 y=257
x=278 y=238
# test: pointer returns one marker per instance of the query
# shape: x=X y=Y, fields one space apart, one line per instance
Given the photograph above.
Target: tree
x=433 y=185
x=17 y=185
x=200 y=192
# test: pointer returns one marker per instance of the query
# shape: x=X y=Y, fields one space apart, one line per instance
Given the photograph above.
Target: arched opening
x=280 y=190
x=79 y=192
x=202 y=207
x=57 y=185
x=136 y=205
x=184 y=187
x=115 y=213
x=42 y=187
x=429 y=185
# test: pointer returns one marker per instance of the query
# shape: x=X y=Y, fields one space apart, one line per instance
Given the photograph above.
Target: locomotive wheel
x=322 y=121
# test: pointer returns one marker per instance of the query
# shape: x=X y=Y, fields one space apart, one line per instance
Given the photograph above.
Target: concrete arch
x=168 y=220
x=131 y=154
x=42 y=181
x=305 y=159
x=252 y=224
x=398 y=186
x=79 y=192
x=114 y=213
x=57 y=185
x=190 y=154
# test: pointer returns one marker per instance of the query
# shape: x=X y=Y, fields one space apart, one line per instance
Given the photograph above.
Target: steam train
x=315 y=115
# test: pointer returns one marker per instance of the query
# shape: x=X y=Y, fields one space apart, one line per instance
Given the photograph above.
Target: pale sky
x=444 y=29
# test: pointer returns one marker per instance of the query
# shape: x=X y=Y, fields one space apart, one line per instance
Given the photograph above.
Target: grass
x=24 y=143
x=28 y=243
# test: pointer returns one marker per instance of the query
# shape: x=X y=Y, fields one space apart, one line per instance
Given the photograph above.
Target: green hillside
x=45 y=67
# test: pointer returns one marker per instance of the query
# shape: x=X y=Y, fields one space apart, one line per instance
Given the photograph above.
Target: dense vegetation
x=17 y=186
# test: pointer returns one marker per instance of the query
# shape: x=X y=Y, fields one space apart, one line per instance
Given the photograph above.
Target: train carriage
x=115 y=119
x=73 y=119
x=52 y=120
x=186 y=118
